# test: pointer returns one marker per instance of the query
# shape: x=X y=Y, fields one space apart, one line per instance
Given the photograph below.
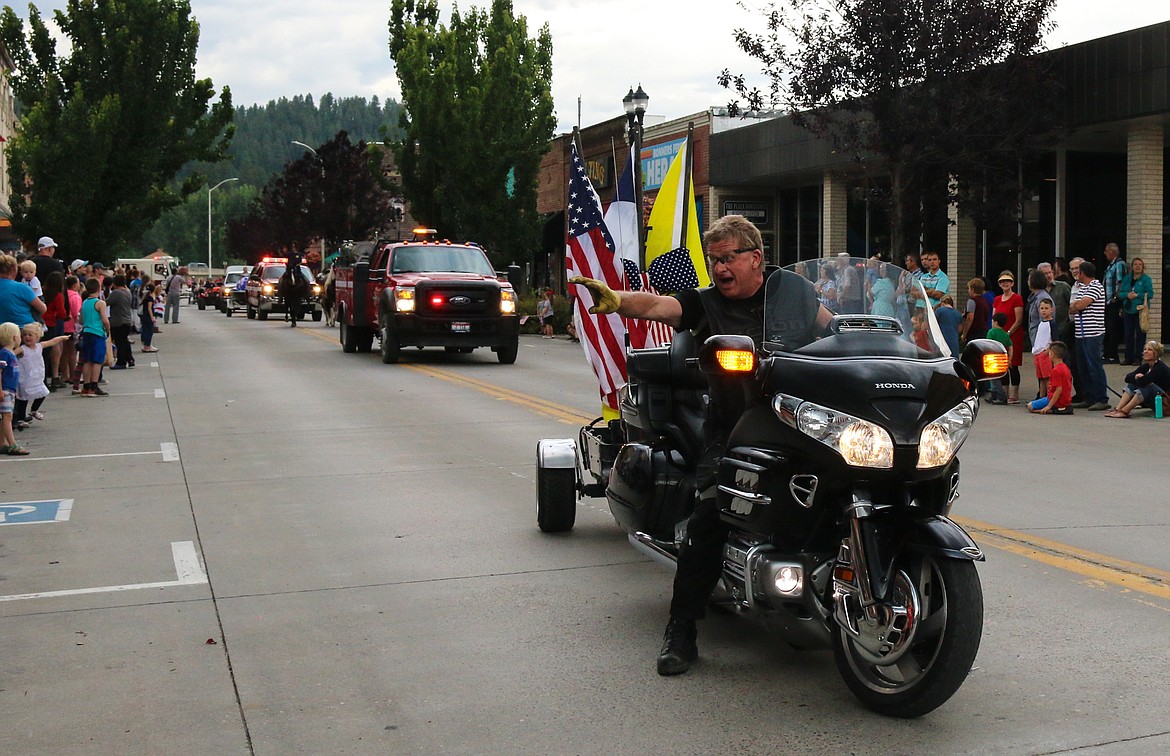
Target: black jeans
x=700 y=562
x=121 y=335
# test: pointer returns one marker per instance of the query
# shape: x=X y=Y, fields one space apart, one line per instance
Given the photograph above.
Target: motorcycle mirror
x=728 y=354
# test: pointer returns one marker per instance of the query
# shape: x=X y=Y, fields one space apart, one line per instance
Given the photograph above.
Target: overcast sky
x=264 y=49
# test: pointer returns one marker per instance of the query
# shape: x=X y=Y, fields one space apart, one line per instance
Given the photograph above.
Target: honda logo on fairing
x=460 y=300
x=747 y=480
x=910 y=386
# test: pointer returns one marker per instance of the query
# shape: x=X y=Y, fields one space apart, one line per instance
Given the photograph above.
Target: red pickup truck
x=423 y=294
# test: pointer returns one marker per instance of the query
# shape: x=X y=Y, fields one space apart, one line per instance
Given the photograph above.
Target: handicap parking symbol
x=27 y=512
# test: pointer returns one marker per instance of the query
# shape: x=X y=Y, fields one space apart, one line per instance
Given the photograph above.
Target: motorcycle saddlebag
x=648 y=491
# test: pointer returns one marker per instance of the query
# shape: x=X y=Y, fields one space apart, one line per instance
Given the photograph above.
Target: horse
x=329 y=299
x=294 y=290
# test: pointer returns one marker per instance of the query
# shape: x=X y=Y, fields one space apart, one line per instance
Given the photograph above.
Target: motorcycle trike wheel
x=947 y=598
x=556 y=499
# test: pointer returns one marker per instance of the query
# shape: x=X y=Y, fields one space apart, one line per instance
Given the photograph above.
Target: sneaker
x=22 y=424
x=997 y=400
x=76 y=389
x=119 y=367
x=87 y=392
x=1081 y=405
x=679 y=649
x=1098 y=406
x=37 y=415
x=149 y=349
x=99 y=392
x=103 y=382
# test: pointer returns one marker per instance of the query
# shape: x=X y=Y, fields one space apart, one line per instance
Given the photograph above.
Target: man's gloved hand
x=604 y=299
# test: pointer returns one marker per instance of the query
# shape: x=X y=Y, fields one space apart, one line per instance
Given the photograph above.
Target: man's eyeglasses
x=727 y=258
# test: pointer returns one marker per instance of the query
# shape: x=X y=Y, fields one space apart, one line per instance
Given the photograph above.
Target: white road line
x=160 y=394
x=187 y=569
x=87 y=456
x=170 y=451
x=64 y=509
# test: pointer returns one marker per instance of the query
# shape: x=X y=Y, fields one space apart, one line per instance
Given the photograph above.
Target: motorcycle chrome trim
x=556 y=454
x=803 y=489
x=653 y=548
x=754 y=498
x=882 y=634
x=866 y=323
x=954 y=490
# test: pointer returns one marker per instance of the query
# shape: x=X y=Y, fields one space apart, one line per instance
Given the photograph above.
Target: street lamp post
x=209 y=191
x=635 y=105
x=321 y=265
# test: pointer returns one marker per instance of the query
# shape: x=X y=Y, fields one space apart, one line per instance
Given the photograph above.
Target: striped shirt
x=1090 y=321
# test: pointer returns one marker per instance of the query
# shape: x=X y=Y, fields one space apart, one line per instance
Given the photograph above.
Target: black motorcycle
x=836 y=481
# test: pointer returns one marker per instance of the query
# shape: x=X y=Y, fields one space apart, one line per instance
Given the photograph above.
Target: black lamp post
x=635 y=106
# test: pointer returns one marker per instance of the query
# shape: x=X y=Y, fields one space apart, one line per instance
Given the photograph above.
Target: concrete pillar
x=1144 y=221
x=1061 y=230
x=834 y=215
x=961 y=266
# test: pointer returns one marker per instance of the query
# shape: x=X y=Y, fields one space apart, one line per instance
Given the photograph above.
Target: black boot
x=678 y=647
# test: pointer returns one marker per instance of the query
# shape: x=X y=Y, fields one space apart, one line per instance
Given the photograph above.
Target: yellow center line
x=1129 y=575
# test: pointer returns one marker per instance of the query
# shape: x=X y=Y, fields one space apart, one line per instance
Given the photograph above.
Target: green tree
x=949 y=95
x=477 y=119
x=339 y=193
x=106 y=128
x=182 y=230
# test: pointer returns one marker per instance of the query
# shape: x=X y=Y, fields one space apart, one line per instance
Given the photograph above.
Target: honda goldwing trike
x=836 y=481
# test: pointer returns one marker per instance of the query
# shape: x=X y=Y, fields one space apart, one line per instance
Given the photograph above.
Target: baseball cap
x=77 y=264
x=98 y=265
x=45 y=241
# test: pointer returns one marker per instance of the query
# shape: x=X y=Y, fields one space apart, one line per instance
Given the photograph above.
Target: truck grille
x=457 y=300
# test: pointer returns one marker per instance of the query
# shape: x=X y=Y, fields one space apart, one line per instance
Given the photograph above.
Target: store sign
x=600 y=172
x=754 y=210
x=656 y=160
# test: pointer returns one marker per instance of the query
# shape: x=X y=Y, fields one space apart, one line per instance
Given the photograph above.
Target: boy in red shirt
x=1059 y=399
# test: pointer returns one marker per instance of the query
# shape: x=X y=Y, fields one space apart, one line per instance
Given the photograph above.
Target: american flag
x=590 y=253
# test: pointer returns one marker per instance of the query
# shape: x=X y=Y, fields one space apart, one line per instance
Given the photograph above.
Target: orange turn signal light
x=736 y=361
x=995 y=363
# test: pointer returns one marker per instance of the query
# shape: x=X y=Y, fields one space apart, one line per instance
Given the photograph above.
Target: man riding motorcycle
x=734 y=304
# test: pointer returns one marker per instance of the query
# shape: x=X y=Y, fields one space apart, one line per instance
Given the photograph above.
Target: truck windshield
x=435 y=258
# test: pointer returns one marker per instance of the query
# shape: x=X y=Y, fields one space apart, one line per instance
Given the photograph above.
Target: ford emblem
x=460 y=300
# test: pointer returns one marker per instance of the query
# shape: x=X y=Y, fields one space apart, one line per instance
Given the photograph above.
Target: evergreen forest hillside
x=262 y=144
x=260 y=149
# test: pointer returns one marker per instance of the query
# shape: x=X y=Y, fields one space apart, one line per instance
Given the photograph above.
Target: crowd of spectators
x=56 y=325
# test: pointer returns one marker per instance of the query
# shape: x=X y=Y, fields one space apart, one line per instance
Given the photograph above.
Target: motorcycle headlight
x=941 y=439
x=860 y=442
x=316 y=289
x=507 y=302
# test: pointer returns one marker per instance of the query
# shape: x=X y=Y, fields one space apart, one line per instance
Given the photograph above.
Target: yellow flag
x=665 y=234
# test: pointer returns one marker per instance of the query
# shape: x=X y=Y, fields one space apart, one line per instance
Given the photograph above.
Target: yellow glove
x=605 y=300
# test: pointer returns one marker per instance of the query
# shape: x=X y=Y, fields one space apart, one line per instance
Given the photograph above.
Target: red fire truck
x=426 y=293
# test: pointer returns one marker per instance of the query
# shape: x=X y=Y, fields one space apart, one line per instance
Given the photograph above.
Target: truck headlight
x=507 y=302
x=859 y=442
x=267 y=289
x=404 y=300
x=941 y=439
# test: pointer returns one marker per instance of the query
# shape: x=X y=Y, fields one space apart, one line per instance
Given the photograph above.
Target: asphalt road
x=275 y=547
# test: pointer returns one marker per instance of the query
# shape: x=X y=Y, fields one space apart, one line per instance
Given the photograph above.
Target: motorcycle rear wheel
x=942 y=650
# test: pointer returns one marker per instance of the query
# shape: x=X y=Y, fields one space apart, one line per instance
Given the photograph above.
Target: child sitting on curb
x=1059 y=399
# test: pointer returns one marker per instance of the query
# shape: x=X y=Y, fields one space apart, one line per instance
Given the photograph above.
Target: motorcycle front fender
x=941 y=536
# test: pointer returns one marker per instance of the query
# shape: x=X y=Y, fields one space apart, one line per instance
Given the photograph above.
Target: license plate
x=461 y=327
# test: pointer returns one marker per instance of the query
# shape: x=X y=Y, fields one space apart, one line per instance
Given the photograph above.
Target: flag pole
x=686 y=185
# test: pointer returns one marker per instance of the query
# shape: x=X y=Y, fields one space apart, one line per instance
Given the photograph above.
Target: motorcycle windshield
x=878 y=309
